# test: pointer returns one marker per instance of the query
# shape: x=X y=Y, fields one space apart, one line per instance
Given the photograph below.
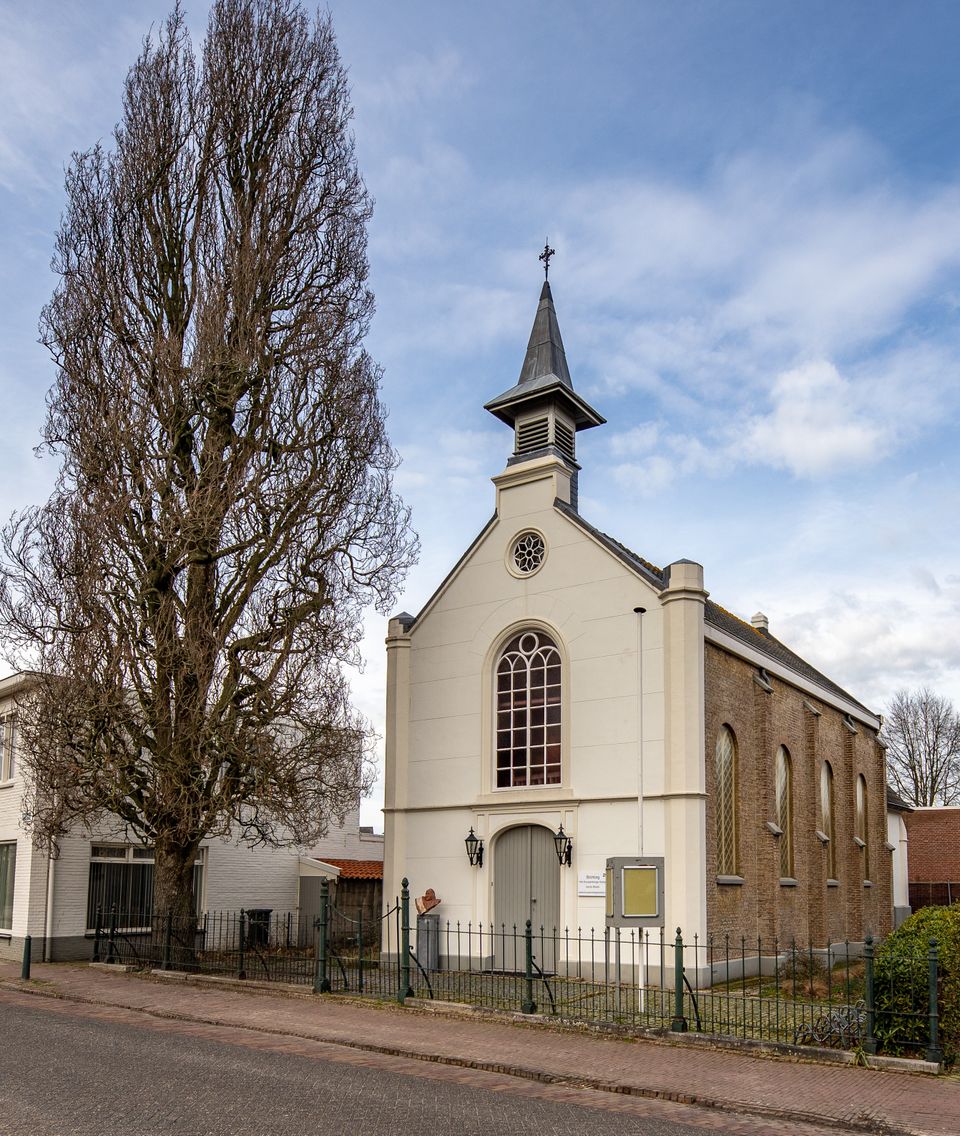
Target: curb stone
x=865 y=1123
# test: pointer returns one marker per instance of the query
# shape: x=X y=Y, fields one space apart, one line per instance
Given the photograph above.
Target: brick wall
x=934 y=836
x=763 y=904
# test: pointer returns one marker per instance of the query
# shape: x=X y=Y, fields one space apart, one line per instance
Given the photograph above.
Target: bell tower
x=543 y=409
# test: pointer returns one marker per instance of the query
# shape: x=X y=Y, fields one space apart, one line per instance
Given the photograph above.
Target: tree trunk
x=173 y=881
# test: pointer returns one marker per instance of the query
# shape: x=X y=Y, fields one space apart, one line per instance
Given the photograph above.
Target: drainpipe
x=640 y=612
x=48 y=910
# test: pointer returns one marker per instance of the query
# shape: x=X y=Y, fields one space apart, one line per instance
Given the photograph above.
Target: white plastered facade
x=632 y=779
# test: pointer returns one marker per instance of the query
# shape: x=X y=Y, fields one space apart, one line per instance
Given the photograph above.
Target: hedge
x=901 y=983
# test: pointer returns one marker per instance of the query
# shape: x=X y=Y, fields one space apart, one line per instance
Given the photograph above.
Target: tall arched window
x=826 y=817
x=528 y=712
x=726 y=797
x=863 y=827
x=785 y=811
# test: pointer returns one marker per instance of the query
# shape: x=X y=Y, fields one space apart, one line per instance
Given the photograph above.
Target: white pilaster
x=684 y=780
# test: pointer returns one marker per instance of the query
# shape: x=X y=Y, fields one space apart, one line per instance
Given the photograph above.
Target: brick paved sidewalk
x=853 y=1099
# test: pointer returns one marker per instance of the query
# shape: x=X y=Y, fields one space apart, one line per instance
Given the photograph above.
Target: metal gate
x=362 y=953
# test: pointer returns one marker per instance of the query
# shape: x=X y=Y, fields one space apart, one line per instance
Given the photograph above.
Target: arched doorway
x=526 y=885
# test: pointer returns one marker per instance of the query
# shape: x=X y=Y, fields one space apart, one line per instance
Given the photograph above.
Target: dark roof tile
x=717 y=616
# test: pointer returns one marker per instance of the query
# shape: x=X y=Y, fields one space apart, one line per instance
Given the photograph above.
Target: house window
x=726 y=796
x=528 y=712
x=785 y=811
x=826 y=818
x=7 y=755
x=121 y=881
x=8 y=870
x=862 y=825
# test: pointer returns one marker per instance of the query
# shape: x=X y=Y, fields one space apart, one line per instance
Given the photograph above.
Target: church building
x=561 y=707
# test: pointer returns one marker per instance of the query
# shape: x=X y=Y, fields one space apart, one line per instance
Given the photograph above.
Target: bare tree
x=922 y=732
x=190 y=593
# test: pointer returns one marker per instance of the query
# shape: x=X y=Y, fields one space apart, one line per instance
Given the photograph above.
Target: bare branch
x=225 y=509
x=922 y=732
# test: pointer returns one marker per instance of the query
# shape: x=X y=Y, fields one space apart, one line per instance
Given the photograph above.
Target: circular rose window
x=529 y=552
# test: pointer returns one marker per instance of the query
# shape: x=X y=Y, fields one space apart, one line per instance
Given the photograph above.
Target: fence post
x=321 y=980
x=167 y=942
x=111 y=946
x=528 y=1006
x=934 y=1052
x=869 y=1042
x=406 y=990
x=97 y=934
x=360 y=950
x=242 y=971
x=27 y=955
x=679 y=1022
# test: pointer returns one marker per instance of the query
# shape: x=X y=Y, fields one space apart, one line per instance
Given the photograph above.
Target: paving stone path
x=784 y=1095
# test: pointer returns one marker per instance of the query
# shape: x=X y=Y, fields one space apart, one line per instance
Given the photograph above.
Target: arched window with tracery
x=528 y=712
x=726 y=801
x=784 y=786
x=863 y=826
x=826 y=818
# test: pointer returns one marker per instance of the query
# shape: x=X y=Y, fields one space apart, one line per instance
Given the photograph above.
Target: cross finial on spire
x=545 y=257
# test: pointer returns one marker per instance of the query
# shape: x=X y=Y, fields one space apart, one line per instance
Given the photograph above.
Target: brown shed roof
x=357 y=869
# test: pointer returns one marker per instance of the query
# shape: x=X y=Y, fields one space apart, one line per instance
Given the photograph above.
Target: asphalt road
x=69 y=1070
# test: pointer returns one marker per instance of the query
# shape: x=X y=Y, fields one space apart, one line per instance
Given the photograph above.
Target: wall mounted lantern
x=563 y=845
x=474 y=849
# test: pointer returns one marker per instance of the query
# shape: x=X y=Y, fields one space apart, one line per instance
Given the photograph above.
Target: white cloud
x=817 y=425
x=640 y=440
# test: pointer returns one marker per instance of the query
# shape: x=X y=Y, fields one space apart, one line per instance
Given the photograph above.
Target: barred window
x=863 y=827
x=826 y=817
x=121 y=883
x=528 y=712
x=726 y=800
x=785 y=811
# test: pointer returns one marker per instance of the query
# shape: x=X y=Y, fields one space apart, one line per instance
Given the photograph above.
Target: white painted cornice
x=734 y=646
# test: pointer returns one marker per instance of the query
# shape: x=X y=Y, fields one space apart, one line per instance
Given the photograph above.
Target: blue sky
x=756 y=212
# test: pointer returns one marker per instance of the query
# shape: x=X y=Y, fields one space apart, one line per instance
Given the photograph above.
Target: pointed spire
x=544 y=376
x=545 y=359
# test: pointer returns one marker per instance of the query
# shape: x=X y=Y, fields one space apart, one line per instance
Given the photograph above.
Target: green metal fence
x=636 y=978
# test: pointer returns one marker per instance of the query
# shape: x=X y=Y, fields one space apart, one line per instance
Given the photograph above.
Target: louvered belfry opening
x=564 y=438
x=533 y=434
x=542 y=407
x=547 y=429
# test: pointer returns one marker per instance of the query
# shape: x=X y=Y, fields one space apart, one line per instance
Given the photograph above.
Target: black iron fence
x=641 y=978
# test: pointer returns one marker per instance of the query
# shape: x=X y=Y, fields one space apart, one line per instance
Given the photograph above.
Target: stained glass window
x=726 y=796
x=862 y=826
x=826 y=817
x=784 y=788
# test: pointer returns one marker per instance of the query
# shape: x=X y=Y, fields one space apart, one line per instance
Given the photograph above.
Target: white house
x=556 y=680
x=55 y=899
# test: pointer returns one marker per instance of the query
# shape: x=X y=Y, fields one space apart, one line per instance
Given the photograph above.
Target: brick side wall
x=763 y=905
x=934 y=836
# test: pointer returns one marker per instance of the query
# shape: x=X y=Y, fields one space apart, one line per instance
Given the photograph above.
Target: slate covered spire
x=545 y=358
x=544 y=381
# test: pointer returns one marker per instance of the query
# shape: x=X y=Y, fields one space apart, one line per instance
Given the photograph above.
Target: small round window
x=528 y=552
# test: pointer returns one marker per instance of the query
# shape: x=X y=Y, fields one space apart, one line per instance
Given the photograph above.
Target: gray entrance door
x=526 y=885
